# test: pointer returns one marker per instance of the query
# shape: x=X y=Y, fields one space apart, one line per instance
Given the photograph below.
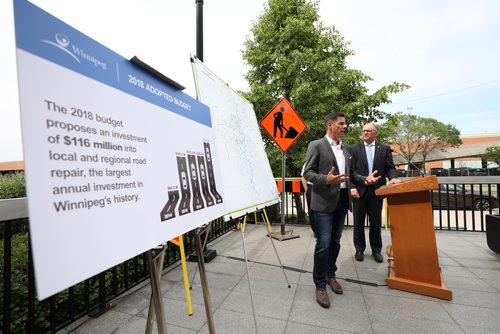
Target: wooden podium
x=413 y=264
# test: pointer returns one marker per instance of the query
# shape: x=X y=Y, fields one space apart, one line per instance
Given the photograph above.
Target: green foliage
x=292 y=55
x=12 y=186
x=72 y=303
x=492 y=154
x=19 y=282
x=19 y=287
x=413 y=134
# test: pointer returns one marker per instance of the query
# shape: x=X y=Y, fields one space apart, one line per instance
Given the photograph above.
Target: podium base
x=208 y=255
x=421 y=288
x=284 y=236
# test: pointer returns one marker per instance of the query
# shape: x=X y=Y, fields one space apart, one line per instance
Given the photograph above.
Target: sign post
x=283 y=117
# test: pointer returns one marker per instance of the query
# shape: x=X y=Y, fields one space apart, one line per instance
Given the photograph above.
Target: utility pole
x=199 y=29
x=208 y=254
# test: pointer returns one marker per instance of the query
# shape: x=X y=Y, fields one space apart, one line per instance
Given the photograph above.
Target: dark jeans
x=329 y=226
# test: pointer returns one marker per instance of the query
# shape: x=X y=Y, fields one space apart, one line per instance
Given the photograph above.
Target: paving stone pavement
x=469 y=269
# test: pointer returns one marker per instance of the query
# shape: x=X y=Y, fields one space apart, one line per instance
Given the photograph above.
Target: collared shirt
x=372 y=146
x=339 y=156
x=302 y=174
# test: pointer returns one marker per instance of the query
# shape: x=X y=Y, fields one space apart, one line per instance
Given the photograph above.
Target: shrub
x=12 y=186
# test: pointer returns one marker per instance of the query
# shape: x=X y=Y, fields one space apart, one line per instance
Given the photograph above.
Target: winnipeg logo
x=62 y=42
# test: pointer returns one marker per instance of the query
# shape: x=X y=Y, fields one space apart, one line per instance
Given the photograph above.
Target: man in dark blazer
x=328 y=168
x=369 y=157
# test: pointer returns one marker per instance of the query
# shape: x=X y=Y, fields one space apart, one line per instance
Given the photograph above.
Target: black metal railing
x=457 y=207
x=464 y=206
x=21 y=312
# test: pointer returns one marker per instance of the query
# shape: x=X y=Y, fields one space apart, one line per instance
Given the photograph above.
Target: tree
x=492 y=154
x=291 y=54
x=413 y=135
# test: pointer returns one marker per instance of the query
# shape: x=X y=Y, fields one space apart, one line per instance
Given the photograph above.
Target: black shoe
x=378 y=257
x=359 y=256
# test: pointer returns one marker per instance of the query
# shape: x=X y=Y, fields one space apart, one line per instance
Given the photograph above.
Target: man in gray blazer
x=328 y=168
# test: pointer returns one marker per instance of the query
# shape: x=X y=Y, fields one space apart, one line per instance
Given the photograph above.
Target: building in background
x=11 y=166
x=465 y=159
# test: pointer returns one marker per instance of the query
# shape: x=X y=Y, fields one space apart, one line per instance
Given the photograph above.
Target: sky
x=448 y=51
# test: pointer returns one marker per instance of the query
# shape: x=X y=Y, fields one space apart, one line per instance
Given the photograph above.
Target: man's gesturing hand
x=335 y=179
x=371 y=179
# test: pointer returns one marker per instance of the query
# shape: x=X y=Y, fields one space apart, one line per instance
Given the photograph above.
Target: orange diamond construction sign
x=283 y=124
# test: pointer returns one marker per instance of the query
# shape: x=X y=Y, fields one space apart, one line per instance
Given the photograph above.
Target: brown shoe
x=332 y=282
x=322 y=298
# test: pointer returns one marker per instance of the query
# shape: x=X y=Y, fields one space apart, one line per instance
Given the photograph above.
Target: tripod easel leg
x=266 y=220
x=248 y=274
x=204 y=284
x=204 y=244
x=264 y=216
x=155 y=259
x=244 y=224
x=185 y=278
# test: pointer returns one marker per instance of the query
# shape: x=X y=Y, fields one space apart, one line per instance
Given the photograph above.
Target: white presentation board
x=116 y=160
x=247 y=176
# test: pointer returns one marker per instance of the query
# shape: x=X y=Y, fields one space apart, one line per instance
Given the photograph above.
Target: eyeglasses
x=366 y=130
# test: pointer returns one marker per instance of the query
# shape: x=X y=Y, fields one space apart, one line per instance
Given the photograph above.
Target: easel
x=155 y=259
x=269 y=230
x=185 y=277
x=203 y=275
x=256 y=222
x=207 y=231
x=156 y=310
x=203 y=278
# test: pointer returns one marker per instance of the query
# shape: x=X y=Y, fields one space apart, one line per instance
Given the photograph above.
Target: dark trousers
x=370 y=205
x=310 y=212
x=329 y=226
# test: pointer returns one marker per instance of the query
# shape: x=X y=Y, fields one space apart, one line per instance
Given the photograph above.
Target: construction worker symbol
x=278 y=125
x=283 y=124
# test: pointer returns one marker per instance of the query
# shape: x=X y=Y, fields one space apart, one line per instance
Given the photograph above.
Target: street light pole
x=199 y=29
x=203 y=255
x=208 y=254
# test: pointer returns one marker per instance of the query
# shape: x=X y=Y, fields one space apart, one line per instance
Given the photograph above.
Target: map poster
x=247 y=176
